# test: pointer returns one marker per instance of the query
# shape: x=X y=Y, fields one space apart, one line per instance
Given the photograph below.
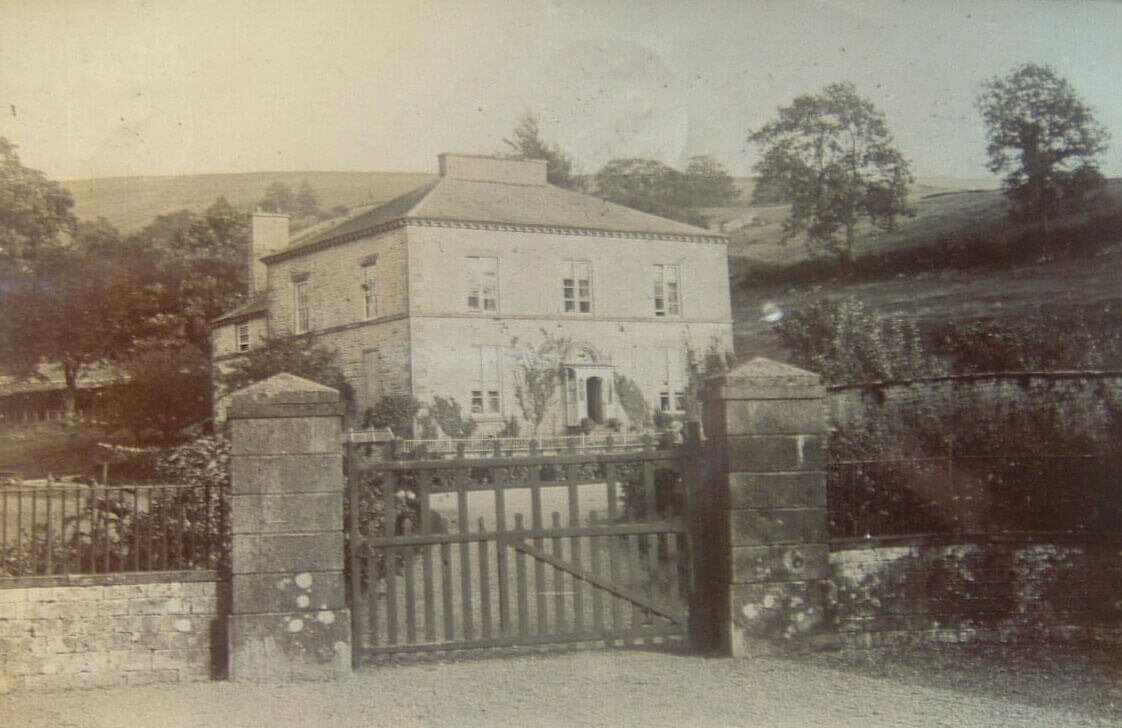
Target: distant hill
x=131 y=202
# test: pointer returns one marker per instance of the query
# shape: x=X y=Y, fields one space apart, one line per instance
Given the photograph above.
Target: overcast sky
x=96 y=88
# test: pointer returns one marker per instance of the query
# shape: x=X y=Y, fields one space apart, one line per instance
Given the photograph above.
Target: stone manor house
x=438 y=291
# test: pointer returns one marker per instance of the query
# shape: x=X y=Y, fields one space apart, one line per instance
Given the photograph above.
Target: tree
x=537 y=372
x=1044 y=138
x=191 y=269
x=306 y=203
x=35 y=212
x=297 y=355
x=706 y=183
x=71 y=310
x=657 y=188
x=278 y=198
x=167 y=391
x=528 y=144
x=832 y=157
x=302 y=206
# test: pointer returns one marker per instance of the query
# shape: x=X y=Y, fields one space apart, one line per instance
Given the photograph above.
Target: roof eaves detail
x=562 y=230
x=337 y=240
x=491 y=226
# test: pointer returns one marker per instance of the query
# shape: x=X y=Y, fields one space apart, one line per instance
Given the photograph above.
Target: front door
x=595 y=400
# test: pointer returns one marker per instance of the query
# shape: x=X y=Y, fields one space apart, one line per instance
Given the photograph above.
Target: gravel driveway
x=935 y=687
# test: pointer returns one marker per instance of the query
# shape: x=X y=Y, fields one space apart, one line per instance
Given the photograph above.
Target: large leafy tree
x=302 y=205
x=72 y=311
x=1044 y=139
x=35 y=212
x=832 y=157
x=188 y=269
x=527 y=143
x=657 y=188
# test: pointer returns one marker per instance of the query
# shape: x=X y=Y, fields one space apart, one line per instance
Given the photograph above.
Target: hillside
x=939 y=294
x=131 y=202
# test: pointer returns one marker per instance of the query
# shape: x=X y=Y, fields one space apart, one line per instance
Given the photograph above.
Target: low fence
x=63 y=529
x=509 y=446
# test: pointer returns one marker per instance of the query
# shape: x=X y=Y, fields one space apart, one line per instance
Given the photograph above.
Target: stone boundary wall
x=102 y=631
x=999 y=589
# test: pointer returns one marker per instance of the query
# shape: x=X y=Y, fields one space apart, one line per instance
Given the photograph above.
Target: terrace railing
x=485 y=447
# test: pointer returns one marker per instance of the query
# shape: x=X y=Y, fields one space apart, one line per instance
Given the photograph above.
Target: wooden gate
x=479 y=553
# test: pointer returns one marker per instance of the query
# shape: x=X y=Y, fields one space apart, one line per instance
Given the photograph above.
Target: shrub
x=1061 y=339
x=395 y=411
x=846 y=343
x=633 y=403
x=447 y=414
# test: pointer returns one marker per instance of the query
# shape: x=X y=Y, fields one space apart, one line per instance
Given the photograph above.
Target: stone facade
x=423 y=336
x=106 y=631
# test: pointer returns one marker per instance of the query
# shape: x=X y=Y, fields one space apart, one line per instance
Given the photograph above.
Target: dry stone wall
x=998 y=589
x=97 y=634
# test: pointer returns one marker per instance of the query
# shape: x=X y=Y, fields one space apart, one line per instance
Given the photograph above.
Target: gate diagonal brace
x=674 y=615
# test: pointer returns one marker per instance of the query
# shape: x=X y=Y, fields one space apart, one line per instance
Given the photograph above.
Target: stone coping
x=138 y=577
x=949 y=539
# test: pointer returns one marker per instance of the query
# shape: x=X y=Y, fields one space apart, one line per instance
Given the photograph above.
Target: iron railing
x=62 y=529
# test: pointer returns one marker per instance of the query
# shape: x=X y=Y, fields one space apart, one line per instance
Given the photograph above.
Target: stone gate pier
x=289 y=617
x=765 y=424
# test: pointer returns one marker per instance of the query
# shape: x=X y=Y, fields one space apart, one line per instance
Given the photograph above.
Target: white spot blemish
x=295 y=625
x=769 y=601
x=302 y=601
x=325 y=617
x=282 y=583
x=304 y=580
x=49 y=668
x=750 y=611
x=182 y=625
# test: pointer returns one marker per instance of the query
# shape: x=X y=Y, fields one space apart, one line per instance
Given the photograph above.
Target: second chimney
x=270 y=235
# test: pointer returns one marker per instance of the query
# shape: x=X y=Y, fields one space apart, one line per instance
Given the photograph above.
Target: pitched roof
x=478 y=201
x=256 y=305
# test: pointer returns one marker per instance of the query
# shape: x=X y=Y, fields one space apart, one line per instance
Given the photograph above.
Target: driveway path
x=619 y=688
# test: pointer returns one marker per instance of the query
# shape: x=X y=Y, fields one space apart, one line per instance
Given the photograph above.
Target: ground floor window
x=672 y=401
x=485 y=395
x=486 y=401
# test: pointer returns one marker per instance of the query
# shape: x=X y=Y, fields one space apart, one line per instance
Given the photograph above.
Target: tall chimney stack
x=270 y=235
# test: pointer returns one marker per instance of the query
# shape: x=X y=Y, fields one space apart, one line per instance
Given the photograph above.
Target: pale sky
x=98 y=88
